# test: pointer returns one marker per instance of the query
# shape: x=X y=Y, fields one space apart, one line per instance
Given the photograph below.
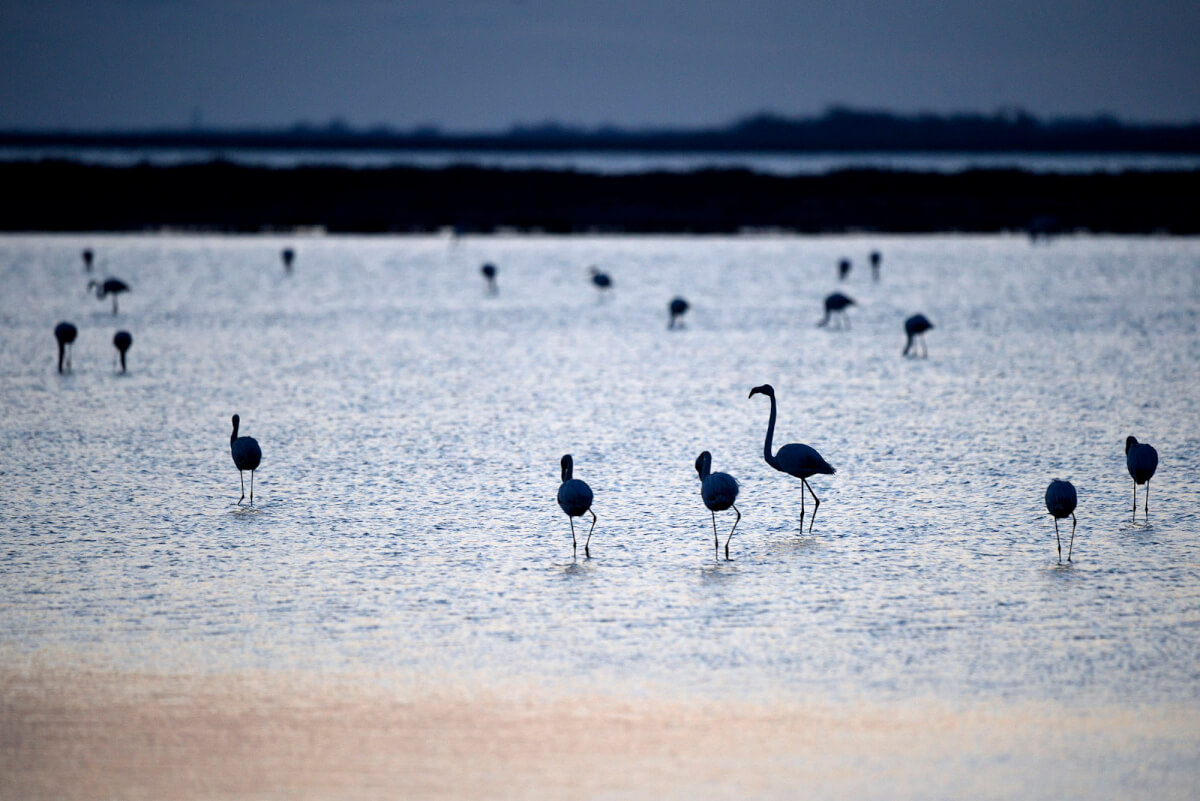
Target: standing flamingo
x=843 y=269
x=836 y=303
x=797 y=460
x=1060 y=502
x=601 y=280
x=287 y=255
x=111 y=286
x=875 y=259
x=914 y=327
x=1142 y=460
x=87 y=259
x=575 y=498
x=122 y=342
x=246 y=456
x=677 y=308
x=489 y=272
x=65 y=333
x=719 y=491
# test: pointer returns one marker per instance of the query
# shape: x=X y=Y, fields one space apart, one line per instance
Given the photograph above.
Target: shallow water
x=411 y=425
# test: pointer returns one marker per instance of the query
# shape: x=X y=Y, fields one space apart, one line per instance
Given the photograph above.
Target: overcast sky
x=486 y=64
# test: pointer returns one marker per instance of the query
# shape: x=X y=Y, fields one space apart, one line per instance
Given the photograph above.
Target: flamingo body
x=65 y=333
x=719 y=491
x=1060 y=502
x=246 y=456
x=489 y=273
x=677 y=308
x=914 y=327
x=111 y=286
x=575 y=499
x=1141 y=459
x=795 y=459
x=122 y=341
x=836 y=303
x=601 y=280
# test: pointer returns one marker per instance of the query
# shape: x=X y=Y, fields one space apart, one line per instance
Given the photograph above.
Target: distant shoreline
x=54 y=196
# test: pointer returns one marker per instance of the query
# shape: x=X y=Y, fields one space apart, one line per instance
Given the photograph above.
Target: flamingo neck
x=233 y=436
x=767 y=457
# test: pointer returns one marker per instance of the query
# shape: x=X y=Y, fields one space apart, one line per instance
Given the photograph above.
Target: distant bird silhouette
x=1060 y=502
x=112 y=286
x=602 y=281
x=843 y=269
x=489 y=273
x=796 y=460
x=916 y=326
x=719 y=491
x=1142 y=461
x=876 y=258
x=65 y=333
x=122 y=342
x=575 y=498
x=837 y=303
x=87 y=259
x=246 y=456
x=288 y=256
x=677 y=308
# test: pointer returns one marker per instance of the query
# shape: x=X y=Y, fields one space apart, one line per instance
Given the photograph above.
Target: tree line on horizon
x=838 y=129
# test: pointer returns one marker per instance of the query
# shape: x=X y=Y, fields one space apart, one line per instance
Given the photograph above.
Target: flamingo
x=87 y=259
x=843 y=269
x=575 y=498
x=1060 y=502
x=111 y=286
x=288 y=256
x=837 y=302
x=602 y=280
x=65 y=333
x=489 y=272
x=797 y=460
x=122 y=342
x=876 y=257
x=677 y=308
x=916 y=326
x=246 y=456
x=1142 y=460
x=719 y=491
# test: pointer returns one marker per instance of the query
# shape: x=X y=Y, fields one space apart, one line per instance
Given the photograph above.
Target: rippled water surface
x=411 y=426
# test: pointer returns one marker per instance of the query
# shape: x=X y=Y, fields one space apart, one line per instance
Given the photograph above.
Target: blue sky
x=485 y=65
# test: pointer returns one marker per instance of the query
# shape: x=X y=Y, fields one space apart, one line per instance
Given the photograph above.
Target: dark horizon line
x=838 y=129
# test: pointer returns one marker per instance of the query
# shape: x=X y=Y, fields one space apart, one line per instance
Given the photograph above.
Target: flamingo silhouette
x=875 y=259
x=575 y=498
x=796 y=460
x=1142 y=460
x=288 y=256
x=246 y=456
x=843 y=269
x=1060 y=502
x=65 y=333
x=719 y=491
x=489 y=272
x=601 y=280
x=836 y=303
x=677 y=308
x=914 y=327
x=122 y=342
x=111 y=286
x=87 y=259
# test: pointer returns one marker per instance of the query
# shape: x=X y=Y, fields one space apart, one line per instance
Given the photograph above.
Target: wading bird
x=1141 y=460
x=246 y=456
x=719 y=491
x=796 y=460
x=112 y=286
x=575 y=498
x=1060 y=502
x=87 y=259
x=876 y=258
x=914 y=327
x=288 y=256
x=837 y=302
x=489 y=272
x=602 y=281
x=65 y=333
x=122 y=342
x=677 y=308
x=843 y=269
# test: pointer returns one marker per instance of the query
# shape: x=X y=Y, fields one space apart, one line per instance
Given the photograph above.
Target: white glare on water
x=412 y=425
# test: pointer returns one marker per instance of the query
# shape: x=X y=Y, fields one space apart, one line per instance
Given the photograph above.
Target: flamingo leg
x=1135 y=500
x=735 y=522
x=114 y=305
x=802 y=507
x=573 y=546
x=1147 y=509
x=1059 y=541
x=586 y=552
x=251 y=487
x=816 y=504
x=716 y=542
x=243 y=480
x=1071 y=547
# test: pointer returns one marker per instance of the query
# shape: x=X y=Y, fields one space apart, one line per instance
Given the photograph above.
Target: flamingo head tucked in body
x=765 y=389
x=704 y=465
x=568 y=467
x=1130 y=443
